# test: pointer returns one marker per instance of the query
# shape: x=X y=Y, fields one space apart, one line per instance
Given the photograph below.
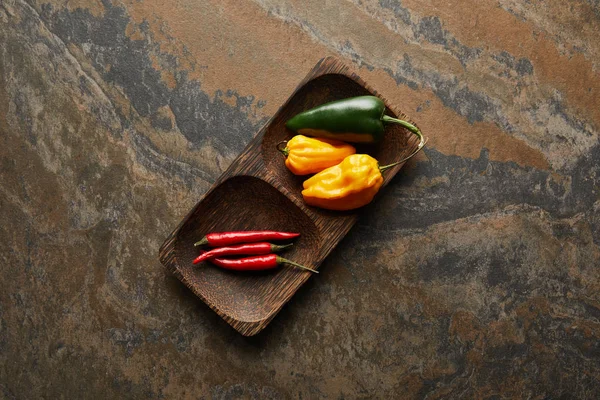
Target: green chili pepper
x=357 y=119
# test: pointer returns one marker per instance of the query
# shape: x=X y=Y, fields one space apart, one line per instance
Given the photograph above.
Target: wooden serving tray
x=257 y=192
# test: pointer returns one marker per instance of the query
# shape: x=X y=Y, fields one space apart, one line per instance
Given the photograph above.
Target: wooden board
x=257 y=192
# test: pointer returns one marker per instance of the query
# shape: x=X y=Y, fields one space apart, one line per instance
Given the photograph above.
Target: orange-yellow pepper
x=306 y=155
x=351 y=184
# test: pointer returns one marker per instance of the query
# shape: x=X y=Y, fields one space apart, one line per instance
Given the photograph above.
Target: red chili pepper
x=248 y=248
x=256 y=263
x=217 y=239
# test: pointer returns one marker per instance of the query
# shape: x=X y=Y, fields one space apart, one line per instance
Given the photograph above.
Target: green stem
x=407 y=125
x=285 y=151
x=281 y=260
x=410 y=127
x=278 y=247
x=201 y=242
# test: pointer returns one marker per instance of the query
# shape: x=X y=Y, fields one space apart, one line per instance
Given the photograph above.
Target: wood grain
x=257 y=192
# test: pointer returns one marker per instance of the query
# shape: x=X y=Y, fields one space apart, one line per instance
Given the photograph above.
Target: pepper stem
x=413 y=129
x=281 y=260
x=285 y=151
x=201 y=242
x=279 y=247
x=407 y=125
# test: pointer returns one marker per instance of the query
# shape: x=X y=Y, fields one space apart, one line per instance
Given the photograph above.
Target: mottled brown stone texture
x=475 y=275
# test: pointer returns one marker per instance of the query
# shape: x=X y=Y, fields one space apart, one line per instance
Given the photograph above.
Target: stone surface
x=476 y=274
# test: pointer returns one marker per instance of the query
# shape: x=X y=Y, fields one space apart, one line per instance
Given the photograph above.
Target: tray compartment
x=317 y=91
x=238 y=203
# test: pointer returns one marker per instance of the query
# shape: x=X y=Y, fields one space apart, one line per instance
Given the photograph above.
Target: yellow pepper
x=351 y=184
x=306 y=155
